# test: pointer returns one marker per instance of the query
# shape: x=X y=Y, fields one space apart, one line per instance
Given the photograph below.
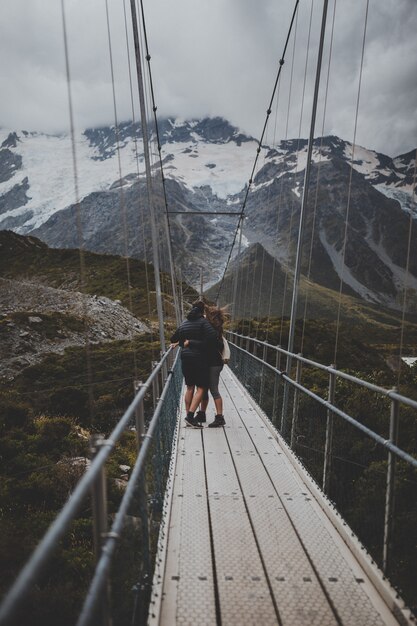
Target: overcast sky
x=216 y=57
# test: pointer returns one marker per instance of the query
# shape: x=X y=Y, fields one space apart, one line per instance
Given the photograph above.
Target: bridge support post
x=295 y=403
x=143 y=514
x=155 y=388
x=390 y=490
x=285 y=400
x=99 y=499
x=276 y=386
x=164 y=372
x=261 y=395
x=328 y=447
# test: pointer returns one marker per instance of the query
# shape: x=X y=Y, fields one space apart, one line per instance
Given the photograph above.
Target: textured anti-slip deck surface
x=247 y=542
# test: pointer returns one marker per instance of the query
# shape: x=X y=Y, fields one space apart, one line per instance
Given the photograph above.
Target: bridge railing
x=123 y=551
x=345 y=430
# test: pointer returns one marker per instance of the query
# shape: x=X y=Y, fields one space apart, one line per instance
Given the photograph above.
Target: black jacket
x=200 y=333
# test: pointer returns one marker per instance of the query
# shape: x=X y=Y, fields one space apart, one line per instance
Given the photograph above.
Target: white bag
x=226 y=351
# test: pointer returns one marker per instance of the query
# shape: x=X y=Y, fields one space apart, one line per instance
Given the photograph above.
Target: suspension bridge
x=254 y=522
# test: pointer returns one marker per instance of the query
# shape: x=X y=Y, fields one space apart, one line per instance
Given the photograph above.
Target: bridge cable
x=274 y=262
x=303 y=95
x=313 y=227
x=136 y=153
x=298 y=144
x=174 y=279
x=303 y=212
x=350 y=186
x=288 y=250
x=122 y=203
x=149 y=185
x=79 y=227
x=407 y=269
x=241 y=214
x=267 y=204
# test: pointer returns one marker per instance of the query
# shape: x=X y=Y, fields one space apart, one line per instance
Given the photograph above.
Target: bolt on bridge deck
x=250 y=539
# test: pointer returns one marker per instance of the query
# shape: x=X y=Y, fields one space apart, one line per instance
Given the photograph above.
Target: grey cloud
x=215 y=57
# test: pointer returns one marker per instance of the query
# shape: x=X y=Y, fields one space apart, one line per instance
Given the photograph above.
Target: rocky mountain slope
x=37 y=320
x=264 y=289
x=206 y=165
x=43 y=311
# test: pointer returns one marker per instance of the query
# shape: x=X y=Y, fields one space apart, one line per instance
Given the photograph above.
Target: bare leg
x=204 y=404
x=188 y=397
x=219 y=406
x=197 y=399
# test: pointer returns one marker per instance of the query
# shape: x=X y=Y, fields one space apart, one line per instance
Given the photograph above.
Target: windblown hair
x=217 y=317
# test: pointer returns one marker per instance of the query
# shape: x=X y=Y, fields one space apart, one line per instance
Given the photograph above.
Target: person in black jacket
x=196 y=336
x=216 y=317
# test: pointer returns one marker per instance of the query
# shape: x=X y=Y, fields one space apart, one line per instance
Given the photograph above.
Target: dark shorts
x=195 y=373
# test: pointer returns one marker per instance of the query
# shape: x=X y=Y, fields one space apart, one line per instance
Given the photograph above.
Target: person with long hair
x=197 y=338
x=216 y=316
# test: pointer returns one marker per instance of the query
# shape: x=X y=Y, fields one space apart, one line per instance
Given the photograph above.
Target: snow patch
x=403 y=196
x=343 y=272
x=364 y=161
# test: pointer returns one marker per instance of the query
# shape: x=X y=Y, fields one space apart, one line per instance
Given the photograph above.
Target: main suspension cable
x=258 y=150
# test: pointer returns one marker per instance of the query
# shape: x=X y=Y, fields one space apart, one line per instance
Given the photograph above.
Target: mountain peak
x=11 y=141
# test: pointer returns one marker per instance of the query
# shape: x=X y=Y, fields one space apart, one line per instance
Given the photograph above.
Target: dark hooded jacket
x=200 y=333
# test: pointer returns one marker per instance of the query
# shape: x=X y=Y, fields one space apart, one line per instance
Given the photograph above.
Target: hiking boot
x=191 y=421
x=218 y=421
x=200 y=416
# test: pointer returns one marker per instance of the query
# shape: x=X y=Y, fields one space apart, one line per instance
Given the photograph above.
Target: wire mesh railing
x=125 y=525
x=346 y=432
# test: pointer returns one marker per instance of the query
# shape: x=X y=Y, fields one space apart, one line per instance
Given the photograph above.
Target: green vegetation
x=49 y=411
x=53 y=324
x=46 y=417
x=27 y=258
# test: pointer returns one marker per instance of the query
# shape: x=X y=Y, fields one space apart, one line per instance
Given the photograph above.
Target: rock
x=34 y=320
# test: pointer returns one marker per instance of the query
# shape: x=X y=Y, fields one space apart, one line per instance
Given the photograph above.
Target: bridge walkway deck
x=249 y=538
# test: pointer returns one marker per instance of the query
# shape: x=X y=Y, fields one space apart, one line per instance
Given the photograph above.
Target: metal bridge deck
x=248 y=539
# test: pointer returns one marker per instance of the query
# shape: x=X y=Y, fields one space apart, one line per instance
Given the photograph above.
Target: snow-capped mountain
x=207 y=164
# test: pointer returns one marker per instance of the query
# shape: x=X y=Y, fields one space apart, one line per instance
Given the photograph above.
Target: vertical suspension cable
x=246 y=293
x=248 y=187
x=151 y=142
x=305 y=190
x=407 y=269
x=288 y=250
x=296 y=182
x=350 y=187
x=159 y=148
x=121 y=190
x=235 y=285
x=78 y=214
x=251 y=309
x=276 y=223
x=136 y=152
x=263 y=250
x=148 y=174
x=313 y=227
x=303 y=212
